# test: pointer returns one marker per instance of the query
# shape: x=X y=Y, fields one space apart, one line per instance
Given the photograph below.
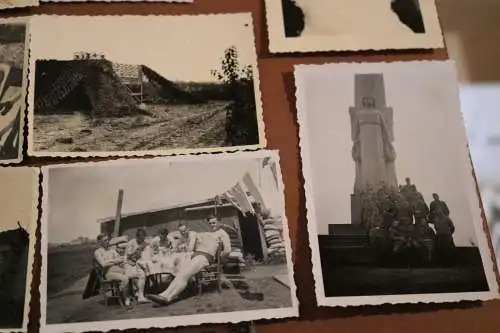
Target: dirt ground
x=237 y=295
x=167 y=127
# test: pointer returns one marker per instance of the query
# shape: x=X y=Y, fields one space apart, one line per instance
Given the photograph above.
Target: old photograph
x=18 y=202
x=13 y=75
x=338 y=25
x=5 y=4
x=155 y=92
x=164 y=241
x=393 y=213
x=480 y=109
x=112 y=1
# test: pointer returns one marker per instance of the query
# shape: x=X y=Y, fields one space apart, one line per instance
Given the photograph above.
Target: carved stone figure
x=372 y=137
x=372 y=148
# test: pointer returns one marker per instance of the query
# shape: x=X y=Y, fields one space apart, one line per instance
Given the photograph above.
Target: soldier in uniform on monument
x=408 y=188
x=436 y=206
x=439 y=216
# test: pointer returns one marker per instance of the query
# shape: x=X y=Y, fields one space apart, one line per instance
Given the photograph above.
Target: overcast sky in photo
x=181 y=48
x=79 y=196
x=430 y=139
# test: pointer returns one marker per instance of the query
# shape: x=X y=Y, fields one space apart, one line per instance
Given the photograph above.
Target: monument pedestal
x=345 y=236
x=356 y=209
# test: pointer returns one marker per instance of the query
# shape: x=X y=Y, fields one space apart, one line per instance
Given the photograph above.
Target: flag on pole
x=275 y=174
x=237 y=196
x=265 y=161
x=254 y=190
x=229 y=197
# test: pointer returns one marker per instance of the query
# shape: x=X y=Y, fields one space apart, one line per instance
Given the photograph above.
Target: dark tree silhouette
x=241 y=117
x=409 y=14
x=293 y=18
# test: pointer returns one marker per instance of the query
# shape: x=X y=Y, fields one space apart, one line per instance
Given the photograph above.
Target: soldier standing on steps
x=439 y=215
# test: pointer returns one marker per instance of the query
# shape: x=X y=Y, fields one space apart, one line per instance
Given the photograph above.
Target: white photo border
x=279 y=43
x=20 y=4
x=24 y=86
x=169 y=321
x=155 y=152
x=473 y=198
x=119 y=1
x=31 y=251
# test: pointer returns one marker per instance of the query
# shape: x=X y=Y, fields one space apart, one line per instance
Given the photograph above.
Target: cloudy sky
x=429 y=136
x=79 y=196
x=182 y=48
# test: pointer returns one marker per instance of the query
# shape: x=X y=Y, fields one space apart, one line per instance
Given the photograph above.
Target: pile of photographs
x=188 y=237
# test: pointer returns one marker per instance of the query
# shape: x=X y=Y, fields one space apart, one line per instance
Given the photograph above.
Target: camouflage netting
x=161 y=89
x=88 y=86
x=92 y=86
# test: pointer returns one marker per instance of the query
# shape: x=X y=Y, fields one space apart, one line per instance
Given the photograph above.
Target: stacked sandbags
x=273 y=233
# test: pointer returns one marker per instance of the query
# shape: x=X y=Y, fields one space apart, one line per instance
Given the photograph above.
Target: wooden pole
x=141 y=81
x=216 y=203
x=118 y=213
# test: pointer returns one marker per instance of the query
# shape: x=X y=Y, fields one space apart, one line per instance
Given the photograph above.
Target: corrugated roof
x=106 y=219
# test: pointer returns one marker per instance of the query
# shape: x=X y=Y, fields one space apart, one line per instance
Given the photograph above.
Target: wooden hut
x=244 y=229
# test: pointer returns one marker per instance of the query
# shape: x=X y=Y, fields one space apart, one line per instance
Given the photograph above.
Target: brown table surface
x=276 y=85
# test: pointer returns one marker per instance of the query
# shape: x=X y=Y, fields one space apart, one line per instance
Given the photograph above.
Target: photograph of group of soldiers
x=176 y=257
x=402 y=221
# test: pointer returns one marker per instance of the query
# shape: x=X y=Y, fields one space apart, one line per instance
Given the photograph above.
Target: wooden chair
x=108 y=288
x=212 y=274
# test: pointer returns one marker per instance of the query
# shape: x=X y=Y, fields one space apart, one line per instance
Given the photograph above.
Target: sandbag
x=274 y=240
x=273 y=227
x=271 y=232
x=277 y=245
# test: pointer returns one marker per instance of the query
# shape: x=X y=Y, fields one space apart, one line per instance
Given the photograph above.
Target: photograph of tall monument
x=392 y=212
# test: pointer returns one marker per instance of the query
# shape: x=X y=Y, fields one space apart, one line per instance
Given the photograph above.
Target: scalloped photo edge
x=117 y=1
x=18 y=4
x=30 y=201
x=24 y=86
x=479 y=231
x=174 y=320
x=249 y=54
x=279 y=43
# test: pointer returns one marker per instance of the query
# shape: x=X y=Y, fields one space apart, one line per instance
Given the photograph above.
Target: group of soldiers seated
x=182 y=253
x=404 y=219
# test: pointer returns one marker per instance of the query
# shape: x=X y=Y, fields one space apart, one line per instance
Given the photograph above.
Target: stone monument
x=372 y=135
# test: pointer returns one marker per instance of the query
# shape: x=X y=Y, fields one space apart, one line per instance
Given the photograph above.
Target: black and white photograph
x=482 y=120
x=155 y=92
x=114 y=1
x=13 y=63
x=18 y=202
x=338 y=25
x=6 y=4
x=392 y=208
x=165 y=241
